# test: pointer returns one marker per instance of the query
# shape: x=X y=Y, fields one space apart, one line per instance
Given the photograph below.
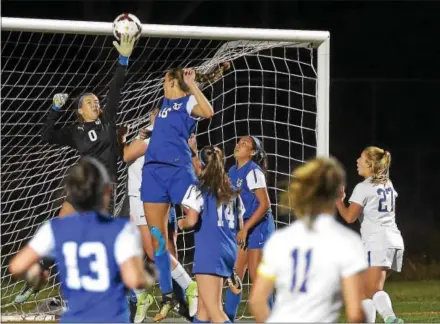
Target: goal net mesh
x=269 y=92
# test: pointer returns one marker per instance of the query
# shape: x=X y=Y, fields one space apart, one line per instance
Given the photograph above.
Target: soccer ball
x=127 y=24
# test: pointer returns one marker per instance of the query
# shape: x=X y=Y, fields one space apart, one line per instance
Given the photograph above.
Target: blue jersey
x=89 y=249
x=214 y=237
x=248 y=178
x=172 y=129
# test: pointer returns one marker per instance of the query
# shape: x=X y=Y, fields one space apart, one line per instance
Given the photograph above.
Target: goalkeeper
x=94 y=134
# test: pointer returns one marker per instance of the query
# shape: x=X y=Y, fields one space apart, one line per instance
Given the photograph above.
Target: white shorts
x=137 y=214
x=389 y=258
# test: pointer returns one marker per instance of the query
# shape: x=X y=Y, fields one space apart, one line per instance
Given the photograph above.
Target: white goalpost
x=277 y=89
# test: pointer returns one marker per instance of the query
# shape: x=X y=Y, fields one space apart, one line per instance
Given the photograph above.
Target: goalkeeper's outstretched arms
x=125 y=48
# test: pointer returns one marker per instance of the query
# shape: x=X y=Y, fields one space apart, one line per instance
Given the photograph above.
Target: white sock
x=138 y=292
x=369 y=310
x=383 y=304
x=181 y=276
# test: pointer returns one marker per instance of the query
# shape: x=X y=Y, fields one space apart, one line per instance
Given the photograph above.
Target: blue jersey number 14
x=300 y=275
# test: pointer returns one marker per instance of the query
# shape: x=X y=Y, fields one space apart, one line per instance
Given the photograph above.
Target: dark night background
x=384 y=81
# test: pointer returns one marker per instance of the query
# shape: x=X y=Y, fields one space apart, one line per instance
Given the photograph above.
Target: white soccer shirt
x=135 y=172
x=378 y=218
x=307 y=266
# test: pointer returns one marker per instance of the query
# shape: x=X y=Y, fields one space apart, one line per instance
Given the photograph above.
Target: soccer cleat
x=393 y=319
x=144 y=301
x=192 y=296
x=25 y=294
x=167 y=304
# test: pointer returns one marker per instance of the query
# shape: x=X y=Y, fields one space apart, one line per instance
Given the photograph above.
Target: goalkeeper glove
x=125 y=48
x=59 y=100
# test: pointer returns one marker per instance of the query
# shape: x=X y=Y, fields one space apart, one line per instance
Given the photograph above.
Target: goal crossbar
x=317 y=39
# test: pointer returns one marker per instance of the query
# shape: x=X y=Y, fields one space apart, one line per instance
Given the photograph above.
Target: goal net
x=276 y=89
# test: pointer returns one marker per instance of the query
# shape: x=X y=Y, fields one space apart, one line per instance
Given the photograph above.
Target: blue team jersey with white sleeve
x=248 y=178
x=173 y=127
x=89 y=249
x=214 y=236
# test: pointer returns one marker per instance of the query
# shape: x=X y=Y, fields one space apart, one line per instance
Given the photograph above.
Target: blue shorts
x=218 y=262
x=260 y=233
x=163 y=183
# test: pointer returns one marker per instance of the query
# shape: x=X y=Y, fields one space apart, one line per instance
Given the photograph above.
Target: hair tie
x=257 y=144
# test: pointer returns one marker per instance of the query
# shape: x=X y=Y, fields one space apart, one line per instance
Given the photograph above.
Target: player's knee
x=159 y=242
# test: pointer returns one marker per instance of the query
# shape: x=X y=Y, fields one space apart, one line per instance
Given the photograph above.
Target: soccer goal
x=277 y=89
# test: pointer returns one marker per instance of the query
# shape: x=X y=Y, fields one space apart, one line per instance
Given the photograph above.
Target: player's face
x=363 y=167
x=168 y=85
x=90 y=108
x=244 y=148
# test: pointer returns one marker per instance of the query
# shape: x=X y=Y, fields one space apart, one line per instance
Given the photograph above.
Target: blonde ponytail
x=380 y=161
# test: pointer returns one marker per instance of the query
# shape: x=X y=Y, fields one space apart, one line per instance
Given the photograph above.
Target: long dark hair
x=85 y=184
x=213 y=179
x=177 y=73
x=260 y=156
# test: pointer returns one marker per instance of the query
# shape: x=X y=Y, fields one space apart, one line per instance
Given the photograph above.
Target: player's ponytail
x=213 y=179
x=379 y=161
x=213 y=75
x=260 y=155
x=85 y=185
x=314 y=188
x=177 y=74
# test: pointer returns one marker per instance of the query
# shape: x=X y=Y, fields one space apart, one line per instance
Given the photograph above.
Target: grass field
x=414 y=301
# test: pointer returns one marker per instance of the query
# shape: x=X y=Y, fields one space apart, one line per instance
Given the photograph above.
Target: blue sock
x=270 y=301
x=227 y=321
x=163 y=264
x=196 y=320
x=178 y=292
x=231 y=304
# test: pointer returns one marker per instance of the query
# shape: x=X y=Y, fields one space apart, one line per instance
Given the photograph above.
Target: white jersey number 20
x=99 y=266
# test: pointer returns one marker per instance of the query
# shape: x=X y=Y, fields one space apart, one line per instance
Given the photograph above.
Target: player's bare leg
x=210 y=291
x=202 y=315
x=374 y=283
x=241 y=264
x=254 y=259
x=157 y=219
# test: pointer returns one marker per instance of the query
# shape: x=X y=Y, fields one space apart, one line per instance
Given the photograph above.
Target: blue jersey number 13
x=300 y=275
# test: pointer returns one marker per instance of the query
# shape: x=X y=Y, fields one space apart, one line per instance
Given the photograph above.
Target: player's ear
x=80 y=111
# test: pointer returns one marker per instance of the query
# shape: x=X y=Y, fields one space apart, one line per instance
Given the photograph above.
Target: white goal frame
x=318 y=39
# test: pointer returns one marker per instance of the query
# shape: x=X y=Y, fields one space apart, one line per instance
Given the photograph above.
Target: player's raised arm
x=60 y=136
x=125 y=48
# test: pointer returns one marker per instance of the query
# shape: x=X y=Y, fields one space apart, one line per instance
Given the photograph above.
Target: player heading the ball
x=168 y=170
x=315 y=261
x=98 y=256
